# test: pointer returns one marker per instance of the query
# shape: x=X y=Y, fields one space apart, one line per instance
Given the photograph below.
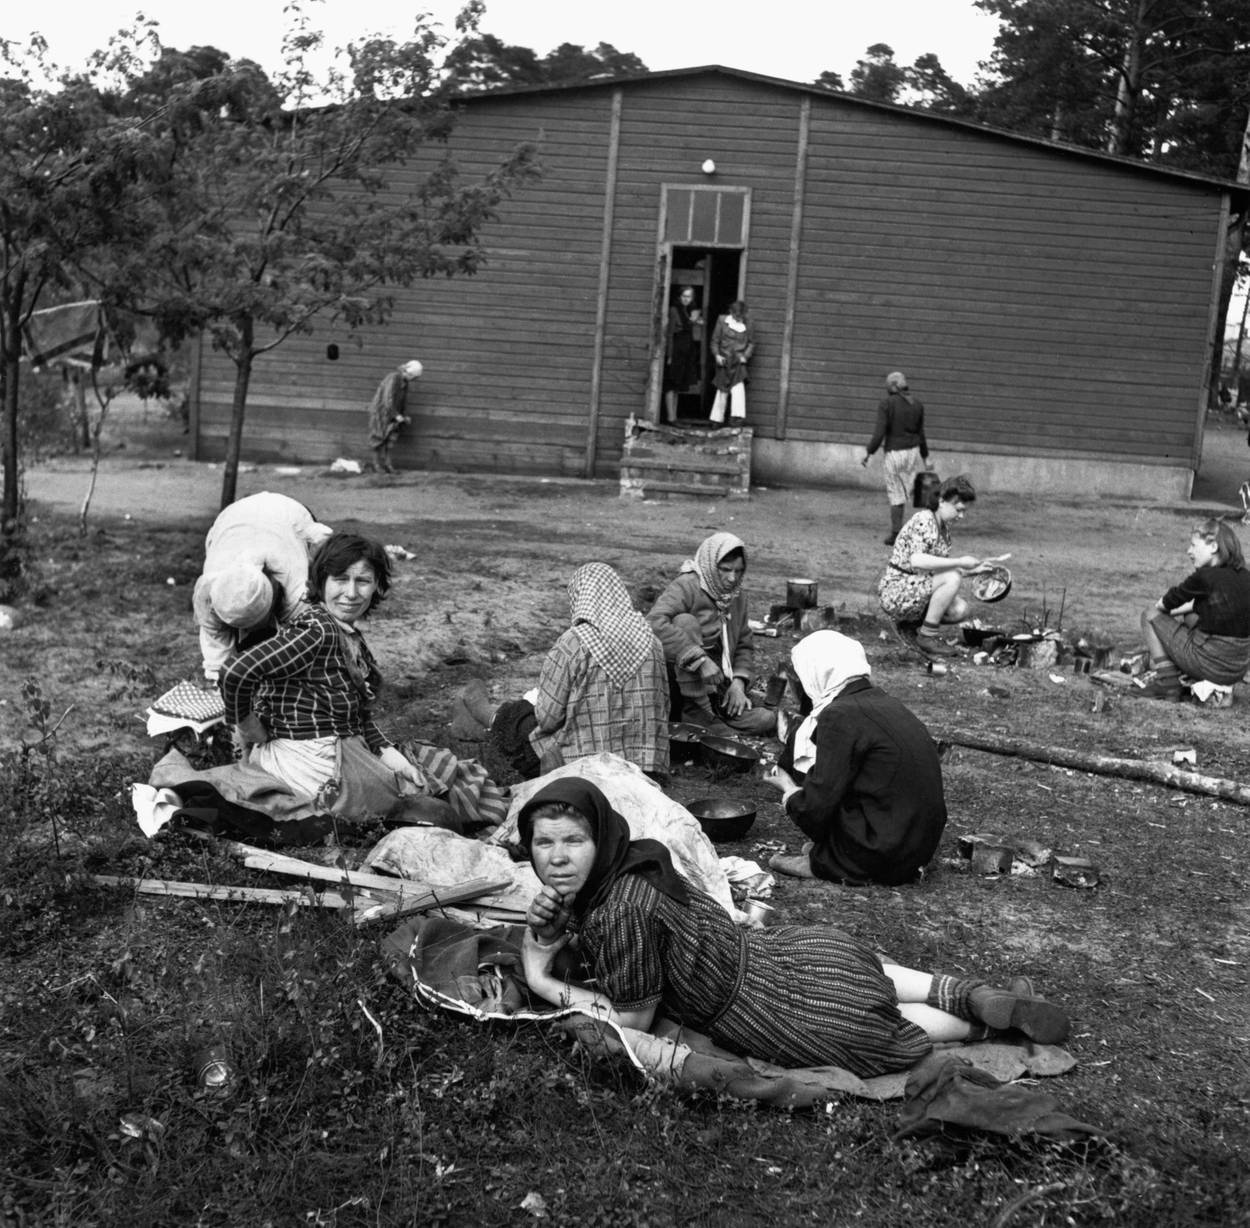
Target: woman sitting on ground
x=1200 y=628
x=921 y=581
x=860 y=776
x=796 y=996
x=602 y=688
x=301 y=702
x=701 y=619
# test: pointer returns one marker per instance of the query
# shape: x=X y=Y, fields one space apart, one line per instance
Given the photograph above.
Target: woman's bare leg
x=935 y=1024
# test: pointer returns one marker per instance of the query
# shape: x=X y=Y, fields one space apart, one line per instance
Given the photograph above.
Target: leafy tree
x=877 y=77
x=831 y=80
x=67 y=173
x=270 y=201
x=484 y=62
x=1168 y=80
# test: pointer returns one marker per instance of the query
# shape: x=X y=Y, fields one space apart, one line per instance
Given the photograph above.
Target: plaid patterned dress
x=313 y=679
x=794 y=995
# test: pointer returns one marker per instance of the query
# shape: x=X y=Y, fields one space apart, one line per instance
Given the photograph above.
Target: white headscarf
x=825 y=662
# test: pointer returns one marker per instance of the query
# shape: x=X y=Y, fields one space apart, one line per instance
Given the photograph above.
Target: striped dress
x=794 y=995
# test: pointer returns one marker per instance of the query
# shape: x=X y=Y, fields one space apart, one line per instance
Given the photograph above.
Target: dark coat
x=872 y=802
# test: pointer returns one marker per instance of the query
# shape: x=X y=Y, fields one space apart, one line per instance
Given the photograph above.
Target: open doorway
x=703 y=281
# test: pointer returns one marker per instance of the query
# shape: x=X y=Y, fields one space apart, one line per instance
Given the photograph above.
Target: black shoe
x=931 y=646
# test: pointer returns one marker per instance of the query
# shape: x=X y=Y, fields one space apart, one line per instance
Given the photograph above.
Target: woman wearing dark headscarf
x=603 y=687
x=701 y=619
x=794 y=995
x=1201 y=627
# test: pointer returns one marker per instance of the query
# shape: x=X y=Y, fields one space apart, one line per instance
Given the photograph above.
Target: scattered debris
x=1075 y=872
x=341 y=464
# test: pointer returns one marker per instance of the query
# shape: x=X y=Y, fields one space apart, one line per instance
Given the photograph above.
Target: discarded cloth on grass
x=650 y=813
x=242 y=799
x=435 y=855
x=946 y=1090
x=477 y=972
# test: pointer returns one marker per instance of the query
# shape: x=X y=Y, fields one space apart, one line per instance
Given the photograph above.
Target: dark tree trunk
x=234 y=444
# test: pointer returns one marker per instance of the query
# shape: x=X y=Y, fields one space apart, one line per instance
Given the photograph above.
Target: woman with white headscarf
x=860 y=777
x=701 y=619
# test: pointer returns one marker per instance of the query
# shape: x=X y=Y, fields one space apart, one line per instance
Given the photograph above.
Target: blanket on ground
x=477 y=972
x=241 y=800
x=650 y=813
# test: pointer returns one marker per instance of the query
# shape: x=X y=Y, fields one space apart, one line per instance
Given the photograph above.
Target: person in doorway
x=733 y=344
x=658 y=948
x=921 y=581
x=701 y=620
x=388 y=412
x=255 y=575
x=859 y=776
x=1200 y=628
x=681 y=370
x=900 y=430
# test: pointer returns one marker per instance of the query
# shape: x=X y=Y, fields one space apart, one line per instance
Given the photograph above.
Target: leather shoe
x=1038 y=1019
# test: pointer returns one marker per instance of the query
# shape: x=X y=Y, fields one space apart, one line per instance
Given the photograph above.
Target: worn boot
x=896 y=521
x=1000 y=1010
x=1164 y=684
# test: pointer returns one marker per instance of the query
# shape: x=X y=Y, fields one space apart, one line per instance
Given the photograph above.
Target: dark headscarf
x=615 y=852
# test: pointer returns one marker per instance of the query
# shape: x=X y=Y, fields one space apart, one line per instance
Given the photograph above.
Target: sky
x=793 y=39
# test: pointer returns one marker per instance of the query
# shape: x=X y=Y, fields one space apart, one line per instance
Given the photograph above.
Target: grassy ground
x=351 y=1105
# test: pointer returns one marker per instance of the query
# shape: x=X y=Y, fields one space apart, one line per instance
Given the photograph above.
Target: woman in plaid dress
x=301 y=702
x=603 y=687
x=794 y=995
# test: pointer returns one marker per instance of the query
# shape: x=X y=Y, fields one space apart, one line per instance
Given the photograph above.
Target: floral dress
x=904 y=592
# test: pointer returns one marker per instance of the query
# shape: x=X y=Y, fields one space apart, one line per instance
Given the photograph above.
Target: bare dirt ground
x=1152 y=963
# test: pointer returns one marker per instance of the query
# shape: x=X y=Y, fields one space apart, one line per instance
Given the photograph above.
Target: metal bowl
x=683 y=742
x=725 y=754
x=721 y=818
x=991 y=585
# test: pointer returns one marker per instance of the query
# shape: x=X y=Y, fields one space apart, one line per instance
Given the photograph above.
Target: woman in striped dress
x=795 y=995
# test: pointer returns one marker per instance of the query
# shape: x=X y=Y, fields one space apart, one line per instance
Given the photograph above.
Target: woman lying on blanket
x=794 y=995
x=301 y=701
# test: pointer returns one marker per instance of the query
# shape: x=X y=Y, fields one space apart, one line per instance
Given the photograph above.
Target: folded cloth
x=185 y=706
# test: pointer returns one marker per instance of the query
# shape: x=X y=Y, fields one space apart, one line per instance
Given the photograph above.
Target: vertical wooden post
x=605 y=268
x=792 y=272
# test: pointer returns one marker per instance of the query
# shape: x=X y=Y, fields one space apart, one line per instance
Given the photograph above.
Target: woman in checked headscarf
x=602 y=688
x=701 y=619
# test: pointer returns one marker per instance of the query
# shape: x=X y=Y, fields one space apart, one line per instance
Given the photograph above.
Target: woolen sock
x=953 y=995
x=928 y=628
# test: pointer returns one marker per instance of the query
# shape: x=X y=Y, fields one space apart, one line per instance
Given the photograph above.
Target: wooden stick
x=240 y=895
x=432 y=897
x=414 y=892
x=1102 y=765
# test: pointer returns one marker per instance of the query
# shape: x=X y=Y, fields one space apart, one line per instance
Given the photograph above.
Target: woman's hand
x=251 y=731
x=736 y=701
x=710 y=672
x=780 y=779
x=965 y=562
x=548 y=915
